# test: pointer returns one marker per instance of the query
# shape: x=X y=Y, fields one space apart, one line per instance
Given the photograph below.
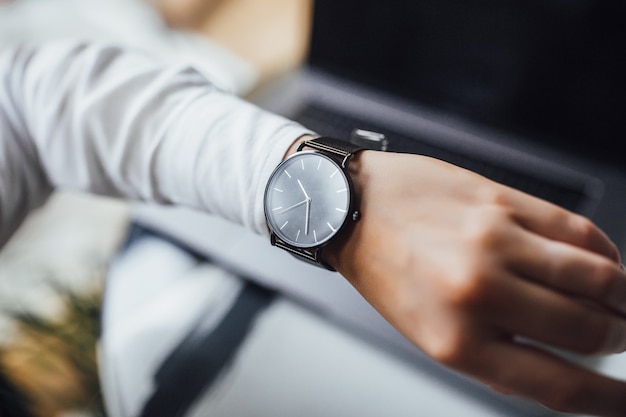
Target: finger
x=552 y=318
x=554 y=222
x=548 y=379
x=572 y=270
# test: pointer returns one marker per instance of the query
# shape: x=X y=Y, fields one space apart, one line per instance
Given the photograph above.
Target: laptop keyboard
x=331 y=123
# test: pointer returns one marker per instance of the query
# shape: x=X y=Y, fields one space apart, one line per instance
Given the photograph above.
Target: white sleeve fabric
x=101 y=119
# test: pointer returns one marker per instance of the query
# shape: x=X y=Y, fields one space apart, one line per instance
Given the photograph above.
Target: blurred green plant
x=51 y=362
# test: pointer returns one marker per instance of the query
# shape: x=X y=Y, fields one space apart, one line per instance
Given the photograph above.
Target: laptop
x=526 y=93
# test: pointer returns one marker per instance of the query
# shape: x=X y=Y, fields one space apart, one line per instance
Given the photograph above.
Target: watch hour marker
x=341 y=210
x=302 y=163
x=283 y=226
x=277 y=208
x=343 y=190
x=278 y=189
x=315 y=236
x=333 y=174
x=331 y=227
x=288 y=174
x=318 y=164
x=297 y=235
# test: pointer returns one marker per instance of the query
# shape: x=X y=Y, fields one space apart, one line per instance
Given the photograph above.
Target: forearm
x=102 y=120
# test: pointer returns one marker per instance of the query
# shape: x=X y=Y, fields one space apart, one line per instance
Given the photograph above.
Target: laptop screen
x=553 y=70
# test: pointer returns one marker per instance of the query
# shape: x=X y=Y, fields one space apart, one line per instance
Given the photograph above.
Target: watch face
x=307 y=199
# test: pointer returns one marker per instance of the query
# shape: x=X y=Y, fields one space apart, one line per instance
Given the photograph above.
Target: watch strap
x=339 y=148
x=313 y=257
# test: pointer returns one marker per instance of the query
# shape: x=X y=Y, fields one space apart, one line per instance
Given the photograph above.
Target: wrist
x=336 y=251
x=293 y=148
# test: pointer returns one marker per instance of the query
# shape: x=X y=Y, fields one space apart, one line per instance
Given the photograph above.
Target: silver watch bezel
x=274 y=229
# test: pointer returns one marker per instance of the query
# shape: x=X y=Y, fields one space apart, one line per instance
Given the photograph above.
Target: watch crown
x=356 y=215
x=369 y=140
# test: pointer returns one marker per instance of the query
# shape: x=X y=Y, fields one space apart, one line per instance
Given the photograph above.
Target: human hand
x=465 y=267
x=185 y=14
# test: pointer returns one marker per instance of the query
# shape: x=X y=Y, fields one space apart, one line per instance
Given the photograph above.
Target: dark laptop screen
x=550 y=69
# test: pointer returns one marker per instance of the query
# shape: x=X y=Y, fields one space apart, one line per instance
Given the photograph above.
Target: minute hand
x=308 y=208
x=307 y=215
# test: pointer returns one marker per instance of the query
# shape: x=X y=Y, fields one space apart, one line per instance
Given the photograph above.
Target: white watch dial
x=307 y=199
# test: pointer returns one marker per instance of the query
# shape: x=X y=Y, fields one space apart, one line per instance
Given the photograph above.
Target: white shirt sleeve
x=97 y=118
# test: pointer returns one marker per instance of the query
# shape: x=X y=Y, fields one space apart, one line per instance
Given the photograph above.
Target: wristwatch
x=309 y=198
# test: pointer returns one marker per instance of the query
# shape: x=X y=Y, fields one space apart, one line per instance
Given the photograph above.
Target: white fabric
x=93 y=117
x=156 y=294
x=132 y=23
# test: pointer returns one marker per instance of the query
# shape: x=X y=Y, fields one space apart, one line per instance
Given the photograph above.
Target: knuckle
x=470 y=289
x=450 y=349
x=493 y=195
x=603 y=280
x=589 y=234
x=487 y=231
x=483 y=236
x=585 y=228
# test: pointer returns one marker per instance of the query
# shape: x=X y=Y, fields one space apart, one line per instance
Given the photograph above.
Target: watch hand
x=304 y=191
x=294 y=206
x=306 y=219
x=308 y=205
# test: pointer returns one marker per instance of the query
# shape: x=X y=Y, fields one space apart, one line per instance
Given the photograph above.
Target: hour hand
x=304 y=191
x=294 y=206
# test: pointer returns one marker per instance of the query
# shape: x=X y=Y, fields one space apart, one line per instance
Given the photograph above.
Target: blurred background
x=52 y=270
